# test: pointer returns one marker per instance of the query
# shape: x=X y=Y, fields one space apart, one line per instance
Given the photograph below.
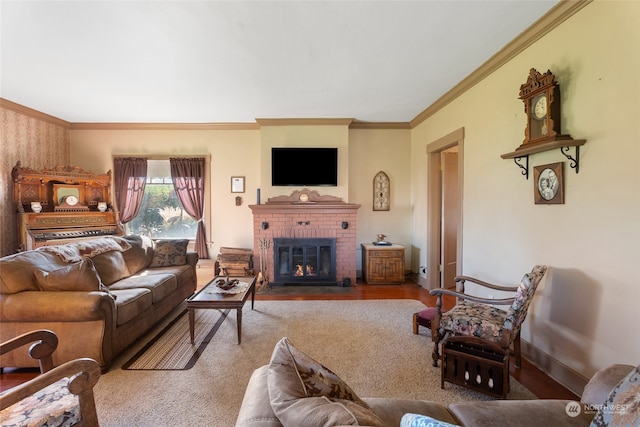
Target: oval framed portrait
x=548 y=185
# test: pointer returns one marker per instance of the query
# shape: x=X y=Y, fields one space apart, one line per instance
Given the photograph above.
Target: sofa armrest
x=518 y=413
x=256 y=406
x=192 y=258
x=58 y=306
x=600 y=385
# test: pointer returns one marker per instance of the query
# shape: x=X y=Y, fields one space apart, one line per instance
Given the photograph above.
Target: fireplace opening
x=304 y=261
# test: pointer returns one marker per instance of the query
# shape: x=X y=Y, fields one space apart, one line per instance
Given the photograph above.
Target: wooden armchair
x=477 y=317
x=62 y=394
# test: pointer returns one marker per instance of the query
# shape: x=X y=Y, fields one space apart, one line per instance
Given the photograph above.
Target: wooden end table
x=206 y=298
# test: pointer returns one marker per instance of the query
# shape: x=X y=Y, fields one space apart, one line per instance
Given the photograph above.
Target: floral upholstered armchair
x=59 y=396
x=477 y=317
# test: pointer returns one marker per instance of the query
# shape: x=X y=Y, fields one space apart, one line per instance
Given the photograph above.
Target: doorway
x=444 y=209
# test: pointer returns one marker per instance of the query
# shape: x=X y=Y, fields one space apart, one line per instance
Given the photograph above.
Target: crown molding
x=304 y=122
x=35 y=114
x=164 y=126
x=379 y=125
x=550 y=20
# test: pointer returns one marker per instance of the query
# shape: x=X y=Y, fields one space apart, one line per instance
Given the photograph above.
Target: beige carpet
x=369 y=343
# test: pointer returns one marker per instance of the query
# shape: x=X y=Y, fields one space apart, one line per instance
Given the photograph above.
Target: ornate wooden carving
x=298 y=197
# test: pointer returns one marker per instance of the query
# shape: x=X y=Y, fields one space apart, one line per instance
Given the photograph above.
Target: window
x=161 y=215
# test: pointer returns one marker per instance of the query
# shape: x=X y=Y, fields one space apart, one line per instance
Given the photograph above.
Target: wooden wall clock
x=541 y=97
x=381 y=192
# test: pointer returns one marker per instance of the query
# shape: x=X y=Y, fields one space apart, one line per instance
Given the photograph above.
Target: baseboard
x=557 y=370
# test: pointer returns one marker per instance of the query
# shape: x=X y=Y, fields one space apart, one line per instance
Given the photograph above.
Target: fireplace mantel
x=310 y=216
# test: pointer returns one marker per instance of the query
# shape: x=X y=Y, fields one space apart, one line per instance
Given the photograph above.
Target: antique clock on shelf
x=381 y=192
x=541 y=97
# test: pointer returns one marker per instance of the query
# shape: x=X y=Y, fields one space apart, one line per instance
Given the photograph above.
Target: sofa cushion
x=16 y=271
x=169 y=252
x=141 y=253
x=79 y=276
x=73 y=252
x=111 y=267
x=391 y=410
x=131 y=303
x=304 y=392
x=622 y=407
x=417 y=420
x=160 y=285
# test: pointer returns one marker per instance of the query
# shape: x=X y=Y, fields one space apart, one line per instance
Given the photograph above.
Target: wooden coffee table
x=204 y=298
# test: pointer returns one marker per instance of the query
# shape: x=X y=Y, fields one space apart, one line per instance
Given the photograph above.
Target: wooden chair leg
x=415 y=323
x=435 y=354
x=517 y=351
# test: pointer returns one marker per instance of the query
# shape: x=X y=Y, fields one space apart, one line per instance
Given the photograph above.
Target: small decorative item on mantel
x=381 y=241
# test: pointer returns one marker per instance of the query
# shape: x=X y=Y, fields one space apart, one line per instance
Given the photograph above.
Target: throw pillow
x=111 y=267
x=80 y=276
x=169 y=252
x=417 y=420
x=622 y=407
x=304 y=392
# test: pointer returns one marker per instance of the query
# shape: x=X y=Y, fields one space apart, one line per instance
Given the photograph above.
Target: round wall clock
x=381 y=192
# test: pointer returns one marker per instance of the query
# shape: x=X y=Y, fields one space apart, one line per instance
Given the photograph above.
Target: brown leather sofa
x=138 y=286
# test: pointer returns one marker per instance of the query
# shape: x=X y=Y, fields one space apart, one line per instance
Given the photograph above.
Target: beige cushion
x=169 y=252
x=111 y=267
x=304 y=392
x=140 y=254
x=80 y=276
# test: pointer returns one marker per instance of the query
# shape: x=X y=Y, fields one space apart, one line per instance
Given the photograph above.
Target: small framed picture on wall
x=548 y=185
x=237 y=184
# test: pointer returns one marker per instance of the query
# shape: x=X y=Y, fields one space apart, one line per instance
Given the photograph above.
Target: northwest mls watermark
x=573 y=409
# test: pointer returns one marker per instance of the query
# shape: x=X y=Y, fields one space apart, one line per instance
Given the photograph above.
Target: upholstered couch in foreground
x=295 y=390
x=97 y=296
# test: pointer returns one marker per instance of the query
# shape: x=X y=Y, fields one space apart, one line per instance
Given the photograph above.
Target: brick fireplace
x=305 y=214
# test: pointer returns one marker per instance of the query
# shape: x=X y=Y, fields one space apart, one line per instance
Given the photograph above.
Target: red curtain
x=188 y=181
x=129 y=178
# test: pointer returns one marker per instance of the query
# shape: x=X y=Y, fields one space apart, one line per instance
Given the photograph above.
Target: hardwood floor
x=531 y=377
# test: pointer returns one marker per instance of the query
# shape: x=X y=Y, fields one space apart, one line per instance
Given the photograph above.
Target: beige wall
x=362 y=153
x=372 y=151
x=233 y=153
x=36 y=142
x=311 y=135
x=585 y=317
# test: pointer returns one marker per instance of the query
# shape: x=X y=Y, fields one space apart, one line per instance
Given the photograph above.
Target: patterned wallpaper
x=36 y=142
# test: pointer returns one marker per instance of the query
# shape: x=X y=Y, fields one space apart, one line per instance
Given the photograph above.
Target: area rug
x=368 y=343
x=171 y=349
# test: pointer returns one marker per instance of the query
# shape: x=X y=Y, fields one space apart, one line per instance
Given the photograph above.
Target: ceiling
x=235 y=61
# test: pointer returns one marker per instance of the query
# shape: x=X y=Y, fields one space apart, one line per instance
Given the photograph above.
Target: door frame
x=434 y=203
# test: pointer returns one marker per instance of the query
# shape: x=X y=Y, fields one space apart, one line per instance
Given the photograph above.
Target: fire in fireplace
x=304 y=261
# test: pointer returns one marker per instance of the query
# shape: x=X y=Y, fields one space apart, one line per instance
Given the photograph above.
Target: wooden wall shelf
x=563 y=142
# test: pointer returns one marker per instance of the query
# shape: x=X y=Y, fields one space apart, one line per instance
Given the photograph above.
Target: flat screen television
x=313 y=167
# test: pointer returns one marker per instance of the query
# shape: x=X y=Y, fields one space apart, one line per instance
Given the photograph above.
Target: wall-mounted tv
x=313 y=167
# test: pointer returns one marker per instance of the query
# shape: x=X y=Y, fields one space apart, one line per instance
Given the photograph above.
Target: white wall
x=585 y=316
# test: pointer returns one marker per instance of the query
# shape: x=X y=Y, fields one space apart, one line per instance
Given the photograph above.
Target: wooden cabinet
x=382 y=264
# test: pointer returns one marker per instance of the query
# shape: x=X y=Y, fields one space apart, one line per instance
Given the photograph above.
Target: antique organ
x=61 y=205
